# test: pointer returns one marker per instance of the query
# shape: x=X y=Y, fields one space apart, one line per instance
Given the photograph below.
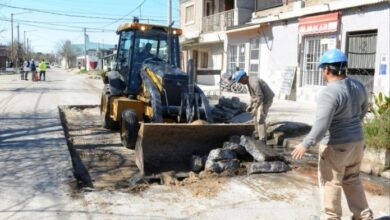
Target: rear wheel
x=129 y=129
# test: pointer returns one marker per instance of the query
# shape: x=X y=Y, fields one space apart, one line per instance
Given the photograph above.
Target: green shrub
x=377 y=131
x=381 y=104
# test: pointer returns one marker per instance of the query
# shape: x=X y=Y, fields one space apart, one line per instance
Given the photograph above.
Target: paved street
x=36 y=180
x=35 y=164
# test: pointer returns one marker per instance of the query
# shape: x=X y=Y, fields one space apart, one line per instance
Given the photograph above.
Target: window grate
x=236 y=58
x=313 y=49
x=361 y=50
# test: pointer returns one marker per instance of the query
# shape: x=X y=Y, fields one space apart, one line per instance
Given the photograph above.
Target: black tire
x=129 y=129
x=107 y=121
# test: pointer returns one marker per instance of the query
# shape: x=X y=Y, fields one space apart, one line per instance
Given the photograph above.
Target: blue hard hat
x=332 y=56
x=239 y=74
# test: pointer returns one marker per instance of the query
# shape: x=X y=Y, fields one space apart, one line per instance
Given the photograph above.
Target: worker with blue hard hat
x=333 y=56
x=341 y=108
x=239 y=72
x=261 y=100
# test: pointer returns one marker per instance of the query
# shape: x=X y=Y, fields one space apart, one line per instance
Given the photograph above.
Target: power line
x=60 y=29
x=145 y=18
x=53 y=23
x=57 y=13
x=115 y=20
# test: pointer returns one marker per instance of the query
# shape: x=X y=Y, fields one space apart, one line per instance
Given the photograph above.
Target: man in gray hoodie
x=341 y=107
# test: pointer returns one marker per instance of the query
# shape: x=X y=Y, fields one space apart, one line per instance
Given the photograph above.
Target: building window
x=361 y=52
x=313 y=48
x=266 y=4
x=254 y=57
x=204 y=60
x=232 y=59
x=190 y=15
x=236 y=58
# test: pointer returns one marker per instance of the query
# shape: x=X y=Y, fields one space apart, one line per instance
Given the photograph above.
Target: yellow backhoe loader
x=156 y=106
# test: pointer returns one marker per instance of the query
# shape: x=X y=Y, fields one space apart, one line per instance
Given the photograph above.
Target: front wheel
x=129 y=129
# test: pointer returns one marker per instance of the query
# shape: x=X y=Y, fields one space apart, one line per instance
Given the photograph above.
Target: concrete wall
x=278 y=50
x=192 y=29
x=289 y=5
x=370 y=18
x=215 y=62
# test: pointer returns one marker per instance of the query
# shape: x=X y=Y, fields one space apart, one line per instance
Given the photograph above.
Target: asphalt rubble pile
x=227 y=108
x=241 y=152
x=239 y=155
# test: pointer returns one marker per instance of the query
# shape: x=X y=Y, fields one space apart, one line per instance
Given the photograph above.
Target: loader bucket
x=169 y=147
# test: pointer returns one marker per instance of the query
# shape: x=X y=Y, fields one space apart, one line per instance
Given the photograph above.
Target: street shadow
x=32 y=148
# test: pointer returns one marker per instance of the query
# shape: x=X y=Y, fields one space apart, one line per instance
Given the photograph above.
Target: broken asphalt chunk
x=237 y=148
x=258 y=150
x=221 y=154
x=268 y=167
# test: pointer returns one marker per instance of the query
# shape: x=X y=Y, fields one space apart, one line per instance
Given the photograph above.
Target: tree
x=66 y=52
x=17 y=51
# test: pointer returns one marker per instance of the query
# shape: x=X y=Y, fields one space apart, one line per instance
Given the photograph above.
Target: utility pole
x=12 y=34
x=18 y=33
x=28 y=48
x=169 y=12
x=17 y=50
x=85 y=48
x=24 y=40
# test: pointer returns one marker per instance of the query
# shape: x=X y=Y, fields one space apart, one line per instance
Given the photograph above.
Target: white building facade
x=283 y=40
x=204 y=24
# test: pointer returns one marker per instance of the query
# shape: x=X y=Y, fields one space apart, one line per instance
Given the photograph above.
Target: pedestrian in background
x=341 y=108
x=25 y=69
x=33 y=68
x=22 y=72
x=42 y=70
x=261 y=100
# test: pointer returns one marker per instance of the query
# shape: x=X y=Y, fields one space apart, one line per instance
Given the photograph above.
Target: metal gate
x=313 y=48
x=361 y=52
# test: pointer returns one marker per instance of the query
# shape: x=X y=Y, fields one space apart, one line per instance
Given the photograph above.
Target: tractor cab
x=140 y=42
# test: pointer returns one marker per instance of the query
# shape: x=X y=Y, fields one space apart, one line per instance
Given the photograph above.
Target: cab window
x=123 y=51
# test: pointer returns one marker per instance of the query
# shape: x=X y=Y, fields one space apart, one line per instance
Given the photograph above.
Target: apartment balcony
x=221 y=21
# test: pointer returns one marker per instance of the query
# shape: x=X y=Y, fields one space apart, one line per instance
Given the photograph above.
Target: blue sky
x=41 y=27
